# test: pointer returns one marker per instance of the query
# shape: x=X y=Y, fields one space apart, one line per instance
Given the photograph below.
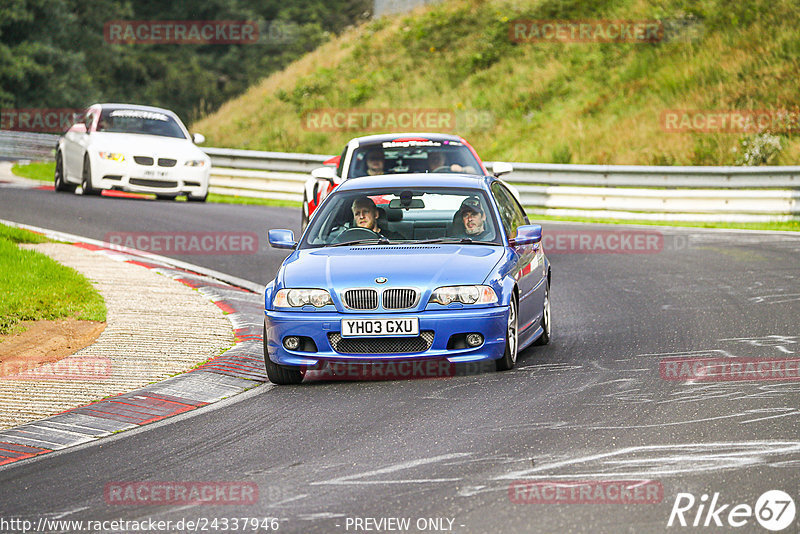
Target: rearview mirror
x=411 y=203
x=527 y=234
x=282 y=239
x=324 y=173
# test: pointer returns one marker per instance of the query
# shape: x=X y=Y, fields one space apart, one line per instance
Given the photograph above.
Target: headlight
x=115 y=156
x=297 y=298
x=464 y=294
x=195 y=163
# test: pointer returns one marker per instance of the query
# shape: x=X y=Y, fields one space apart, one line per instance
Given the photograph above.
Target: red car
x=393 y=154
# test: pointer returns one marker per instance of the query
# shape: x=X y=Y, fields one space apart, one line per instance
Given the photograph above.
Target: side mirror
x=282 y=239
x=501 y=167
x=527 y=234
x=325 y=173
x=198 y=138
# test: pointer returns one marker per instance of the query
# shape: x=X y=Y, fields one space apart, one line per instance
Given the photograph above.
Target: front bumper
x=129 y=176
x=491 y=323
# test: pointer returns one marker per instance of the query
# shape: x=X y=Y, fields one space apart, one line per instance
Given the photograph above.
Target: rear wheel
x=86 y=180
x=61 y=185
x=280 y=374
x=544 y=339
x=509 y=358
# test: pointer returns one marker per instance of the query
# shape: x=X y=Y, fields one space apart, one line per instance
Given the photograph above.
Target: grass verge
x=37 y=170
x=35 y=287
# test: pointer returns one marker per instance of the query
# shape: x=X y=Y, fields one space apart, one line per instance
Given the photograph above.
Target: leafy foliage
x=53 y=53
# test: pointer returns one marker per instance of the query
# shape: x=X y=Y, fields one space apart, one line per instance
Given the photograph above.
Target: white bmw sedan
x=125 y=147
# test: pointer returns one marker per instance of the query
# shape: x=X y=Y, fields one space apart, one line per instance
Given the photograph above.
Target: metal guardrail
x=735 y=194
x=26 y=145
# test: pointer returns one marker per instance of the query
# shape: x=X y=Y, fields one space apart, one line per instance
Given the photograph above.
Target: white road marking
x=350 y=479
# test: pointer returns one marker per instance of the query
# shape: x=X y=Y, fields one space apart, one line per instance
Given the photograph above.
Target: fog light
x=473 y=340
x=291 y=342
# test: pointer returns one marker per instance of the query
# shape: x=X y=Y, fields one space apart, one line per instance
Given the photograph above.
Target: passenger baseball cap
x=471 y=204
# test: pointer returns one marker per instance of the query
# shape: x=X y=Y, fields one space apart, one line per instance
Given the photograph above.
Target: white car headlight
x=195 y=163
x=297 y=298
x=464 y=294
x=115 y=156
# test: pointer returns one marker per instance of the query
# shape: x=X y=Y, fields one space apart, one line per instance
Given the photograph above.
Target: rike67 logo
x=774 y=510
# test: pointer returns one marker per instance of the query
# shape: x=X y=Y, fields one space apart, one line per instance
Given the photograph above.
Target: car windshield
x=136 y=121
x=403 y=215
x=400 y=157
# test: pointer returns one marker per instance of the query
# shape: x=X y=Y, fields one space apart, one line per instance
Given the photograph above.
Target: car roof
x=382 y=138
x=134 y=106
x=417 y=180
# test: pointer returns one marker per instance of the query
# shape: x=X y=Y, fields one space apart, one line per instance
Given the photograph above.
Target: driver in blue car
x=473 y=219
x=366 y=215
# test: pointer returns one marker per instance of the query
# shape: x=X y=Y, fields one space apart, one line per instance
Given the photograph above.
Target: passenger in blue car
x=473 y=221
x=366 y=215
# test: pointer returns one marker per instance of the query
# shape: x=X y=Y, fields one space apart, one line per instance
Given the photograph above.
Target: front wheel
x=280 y=374
x=86 y=180
x=544 y=339
x=201 y=198
x=509 y=358
x=60 y=183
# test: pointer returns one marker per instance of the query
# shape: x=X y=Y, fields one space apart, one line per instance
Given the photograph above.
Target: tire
x=61 y=185
x=165 y=197
x=544 y=339
x=86 y=180
x=280 y=374
x=509 y=358
x=190 y=198
x=304 y=218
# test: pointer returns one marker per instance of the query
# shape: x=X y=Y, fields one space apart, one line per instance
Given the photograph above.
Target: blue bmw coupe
x=408 y=267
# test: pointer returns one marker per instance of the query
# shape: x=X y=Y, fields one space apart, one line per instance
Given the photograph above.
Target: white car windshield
x=403 y=215
x=401 y=157
x=137 y=121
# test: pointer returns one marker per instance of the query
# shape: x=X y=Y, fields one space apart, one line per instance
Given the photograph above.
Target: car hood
x=421 y=266
x=146 y=145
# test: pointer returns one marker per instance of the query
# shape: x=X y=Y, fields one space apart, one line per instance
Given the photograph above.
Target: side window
x=341 y=163
x=510 y=211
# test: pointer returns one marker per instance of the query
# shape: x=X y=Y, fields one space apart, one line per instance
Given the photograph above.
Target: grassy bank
x=35 y=287
x=594 y=103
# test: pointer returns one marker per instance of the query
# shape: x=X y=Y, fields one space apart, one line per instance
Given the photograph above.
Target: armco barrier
x=734 y=194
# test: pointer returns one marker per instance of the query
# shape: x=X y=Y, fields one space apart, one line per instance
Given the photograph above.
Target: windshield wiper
x=379 y=241
x=460 y=240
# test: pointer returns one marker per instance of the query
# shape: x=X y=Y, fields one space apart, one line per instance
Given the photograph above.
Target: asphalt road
x=592 y=406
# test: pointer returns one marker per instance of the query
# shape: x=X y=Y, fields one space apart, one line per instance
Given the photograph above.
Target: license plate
x=398 y=326
x=154 y=174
